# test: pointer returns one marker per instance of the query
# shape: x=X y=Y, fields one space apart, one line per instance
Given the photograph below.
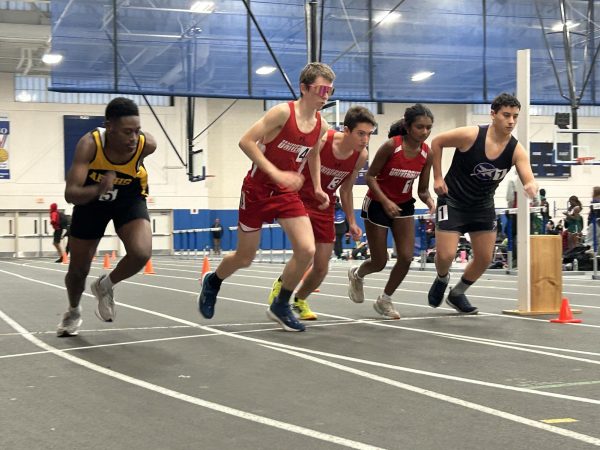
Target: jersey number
x=408 y=186
x=442 y=213
x=334 y=183
x=302 y=155
x=110 y=196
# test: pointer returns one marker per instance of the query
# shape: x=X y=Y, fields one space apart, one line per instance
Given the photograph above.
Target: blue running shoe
x=207 y=298
x=436 y=292
x=283 y=315
x=461 y=304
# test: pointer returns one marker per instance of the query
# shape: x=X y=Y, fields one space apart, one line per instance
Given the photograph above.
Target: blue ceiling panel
x=167 y=47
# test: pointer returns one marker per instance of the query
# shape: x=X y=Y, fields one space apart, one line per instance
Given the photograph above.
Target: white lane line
x=307 y=432
x=502 y=344
x=378 y=288
x=446 y=398
x=266 y=342
x=435 y=395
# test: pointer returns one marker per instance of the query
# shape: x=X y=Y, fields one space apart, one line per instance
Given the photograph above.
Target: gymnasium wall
x=36 y=153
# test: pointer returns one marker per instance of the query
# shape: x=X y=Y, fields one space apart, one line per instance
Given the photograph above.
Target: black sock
x=214 y=281
x=283 y=297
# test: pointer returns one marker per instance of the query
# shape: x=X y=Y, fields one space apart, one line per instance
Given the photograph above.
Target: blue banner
x=4 y=132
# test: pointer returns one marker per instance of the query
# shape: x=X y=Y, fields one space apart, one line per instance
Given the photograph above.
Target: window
x=35 y=89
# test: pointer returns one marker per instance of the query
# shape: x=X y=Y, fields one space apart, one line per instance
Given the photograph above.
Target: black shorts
x=373 y=211
x=89 y=221
x=449 y=218
x=57 y=236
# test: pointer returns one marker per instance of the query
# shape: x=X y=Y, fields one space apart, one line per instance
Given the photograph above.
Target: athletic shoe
x=385 y=307
x=355 y=288
x=436 y=292
x=303 y=310
x=461 y=304
x=283 y=315
x=69 y=325
x=105 y=310
x=59 y=260
x=207 y=298
x=275 y=290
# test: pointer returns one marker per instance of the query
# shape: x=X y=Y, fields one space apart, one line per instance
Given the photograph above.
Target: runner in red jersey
x=278 y=145
x=342 y=155
x=389 y=203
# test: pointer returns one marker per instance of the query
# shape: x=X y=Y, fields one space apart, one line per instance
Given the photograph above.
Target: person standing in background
x=217 y=235
x=57 y=220
x=341 y=228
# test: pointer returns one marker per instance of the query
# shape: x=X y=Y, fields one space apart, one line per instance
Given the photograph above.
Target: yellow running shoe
x=275 y=291
x=302 y=308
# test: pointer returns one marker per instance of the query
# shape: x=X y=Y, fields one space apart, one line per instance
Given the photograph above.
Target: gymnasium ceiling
x=161 y=47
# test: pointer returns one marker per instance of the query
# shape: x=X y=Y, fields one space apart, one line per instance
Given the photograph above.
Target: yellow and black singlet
x=132 y=178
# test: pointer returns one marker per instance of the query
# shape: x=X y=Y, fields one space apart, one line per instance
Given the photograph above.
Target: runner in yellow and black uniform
x=107 y=181
x=125 y=202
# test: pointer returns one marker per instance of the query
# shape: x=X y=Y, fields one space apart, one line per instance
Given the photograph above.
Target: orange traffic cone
x=304 y=276
x=106 y=261
x=205 y=267
x=565 y=315
x=65 y=258
x=149 y=270
x=114 y=256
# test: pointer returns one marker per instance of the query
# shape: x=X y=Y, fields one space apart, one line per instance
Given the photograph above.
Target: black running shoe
x=461 y=304
x=436 y=292
x=207 y=298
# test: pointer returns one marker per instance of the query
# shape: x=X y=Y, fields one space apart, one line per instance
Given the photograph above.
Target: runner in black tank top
x=107 y=181
x=483 y=157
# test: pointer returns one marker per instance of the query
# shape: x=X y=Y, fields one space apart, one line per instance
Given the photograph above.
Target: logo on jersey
x=291 y=147
x=97 y=177
x=404 y=173
x=488 y=172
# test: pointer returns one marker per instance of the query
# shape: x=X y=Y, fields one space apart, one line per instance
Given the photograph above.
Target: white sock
x=106 y=282
x=77 y=309
x=385 y=297
x=356 y=275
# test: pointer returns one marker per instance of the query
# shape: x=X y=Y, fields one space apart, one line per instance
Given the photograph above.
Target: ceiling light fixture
x=559 y=26
x=203 y=7
x=52 y=58
x=265 y=70
x=420 y=76
x=24 y=96
x=387 y=18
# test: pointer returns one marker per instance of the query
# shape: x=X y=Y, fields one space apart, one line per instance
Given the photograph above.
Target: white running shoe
x=105 y=310
x=385 y=307
x=69 y=325
x=355 y=288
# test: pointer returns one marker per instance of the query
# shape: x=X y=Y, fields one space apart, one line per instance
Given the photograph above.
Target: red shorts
x=322 y=225
x=258 y=207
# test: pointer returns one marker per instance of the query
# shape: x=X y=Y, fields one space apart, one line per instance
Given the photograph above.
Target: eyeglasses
x=323 y=90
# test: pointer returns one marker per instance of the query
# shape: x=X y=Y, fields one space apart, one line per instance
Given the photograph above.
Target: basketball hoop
x=581 y=160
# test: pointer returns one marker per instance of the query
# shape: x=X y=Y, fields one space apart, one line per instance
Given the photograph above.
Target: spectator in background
x=361 y=251
x=550 y=228
x=217 y=234
x=341 y=227
x=544 y=204
x=573 y=222
x=589 y=237
x=60 y=223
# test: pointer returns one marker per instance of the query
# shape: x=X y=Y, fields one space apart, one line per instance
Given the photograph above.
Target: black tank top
x=473 y=177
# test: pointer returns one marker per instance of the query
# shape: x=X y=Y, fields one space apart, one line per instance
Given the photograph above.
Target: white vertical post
x=523 y=242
